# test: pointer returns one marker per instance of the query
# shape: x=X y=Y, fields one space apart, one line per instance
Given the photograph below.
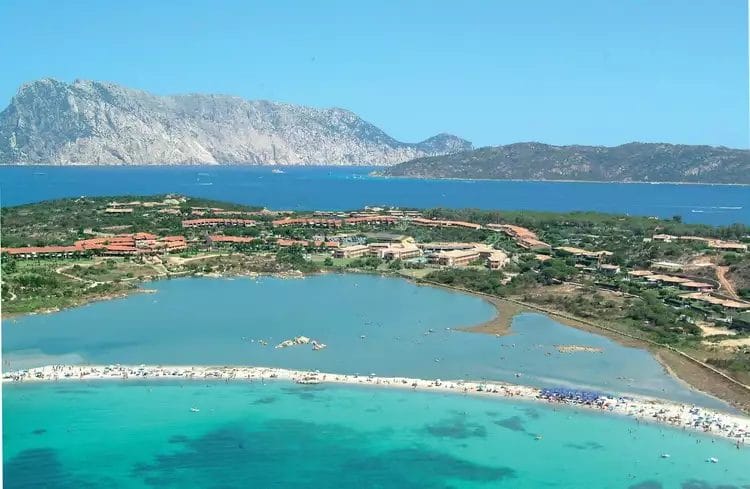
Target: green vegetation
x=553 y=280
x=35 y=285
x=294 y=257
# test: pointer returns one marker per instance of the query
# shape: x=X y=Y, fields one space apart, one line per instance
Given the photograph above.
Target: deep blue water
x=337 y=188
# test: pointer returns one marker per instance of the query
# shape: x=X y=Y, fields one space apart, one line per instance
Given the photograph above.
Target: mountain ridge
x=88 y=122
x=629 y=162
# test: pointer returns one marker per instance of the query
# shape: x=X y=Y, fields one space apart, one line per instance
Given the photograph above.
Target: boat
x=713 y=460
x=194 y=410
x=665 y=455
x=276 y=170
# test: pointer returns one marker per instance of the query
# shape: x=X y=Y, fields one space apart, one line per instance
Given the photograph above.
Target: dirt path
x=726 y=285
x=89 y=283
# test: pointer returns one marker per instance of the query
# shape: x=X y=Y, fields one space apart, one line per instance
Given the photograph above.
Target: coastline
x=691 y=372
x=542 y=180
x=694 y=376
x=642 y=409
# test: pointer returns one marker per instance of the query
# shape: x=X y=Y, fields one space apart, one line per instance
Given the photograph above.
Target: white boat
x=276 y=170
x=713 y=460
x=665 y=455
x=194 y=410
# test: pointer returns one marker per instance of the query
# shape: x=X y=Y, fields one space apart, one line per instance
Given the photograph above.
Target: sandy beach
x=642 y=409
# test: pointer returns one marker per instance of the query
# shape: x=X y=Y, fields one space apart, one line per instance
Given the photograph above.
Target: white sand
x=735 y=428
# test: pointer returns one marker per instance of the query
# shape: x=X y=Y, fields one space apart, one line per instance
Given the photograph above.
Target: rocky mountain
x=87 y=122
x=633 y=162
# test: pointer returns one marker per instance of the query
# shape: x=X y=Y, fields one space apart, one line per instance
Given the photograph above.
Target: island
x=680 y=290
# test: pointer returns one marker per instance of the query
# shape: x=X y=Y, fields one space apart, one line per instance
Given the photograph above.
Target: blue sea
x=336 y=188
x=144 y=435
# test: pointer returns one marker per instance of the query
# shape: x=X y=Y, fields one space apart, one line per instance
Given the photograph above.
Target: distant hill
x=633 y=162
x=88 y=122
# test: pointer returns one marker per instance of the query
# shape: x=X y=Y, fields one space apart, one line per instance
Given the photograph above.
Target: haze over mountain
x=632 y=162
x=88 y=122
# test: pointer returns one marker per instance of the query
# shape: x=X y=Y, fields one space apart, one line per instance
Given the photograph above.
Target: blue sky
x=495 y=72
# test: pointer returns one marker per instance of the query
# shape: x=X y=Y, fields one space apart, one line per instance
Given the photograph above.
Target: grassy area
x=36 y=285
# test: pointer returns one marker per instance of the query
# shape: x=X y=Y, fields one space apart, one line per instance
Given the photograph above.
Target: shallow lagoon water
x=136 y=434
x=371 y=324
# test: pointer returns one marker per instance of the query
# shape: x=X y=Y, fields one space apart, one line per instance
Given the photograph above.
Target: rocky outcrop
x=87 y=122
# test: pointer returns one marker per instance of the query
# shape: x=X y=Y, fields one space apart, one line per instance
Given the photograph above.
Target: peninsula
x=632 y=162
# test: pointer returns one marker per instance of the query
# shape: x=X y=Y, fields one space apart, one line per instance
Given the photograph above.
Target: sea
x=277 y=434
x=131 y=435
x=340 y=188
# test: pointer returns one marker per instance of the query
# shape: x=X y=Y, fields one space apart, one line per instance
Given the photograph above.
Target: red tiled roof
x=216 y=220
x=42 y=249
x=231 y=239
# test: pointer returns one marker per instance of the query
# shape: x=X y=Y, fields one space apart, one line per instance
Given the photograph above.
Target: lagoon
x=371 y=324
x=134 y=435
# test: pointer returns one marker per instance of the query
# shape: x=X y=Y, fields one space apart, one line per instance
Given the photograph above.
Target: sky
x=494 y=72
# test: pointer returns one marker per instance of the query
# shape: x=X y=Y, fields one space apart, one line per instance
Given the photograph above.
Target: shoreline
x=541 y=180
x=642 y=409
x=693 y=376
x=692 y=373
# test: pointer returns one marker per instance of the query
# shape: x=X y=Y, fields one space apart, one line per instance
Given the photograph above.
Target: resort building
x=354 y=251
x=581 y=254
x=640 y=273
x=525 y=238
x=608 y=269
x=120 y=245
x=395 y=251
x=716 y=301
x=442 y=246
x=421 y=221
x=697 y=286
x=307 y=221
x=174 y=243
x=376 y=219
x=497 y=260
x=217 y=221
x=715 y=243
x=29 y=252
x=455 y=258
x=219 y=239
x=727 y=245
x=667 y=265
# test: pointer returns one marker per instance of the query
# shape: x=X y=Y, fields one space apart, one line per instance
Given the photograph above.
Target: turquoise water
x=219 y=322
x=143 y=435
x=351 y=188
